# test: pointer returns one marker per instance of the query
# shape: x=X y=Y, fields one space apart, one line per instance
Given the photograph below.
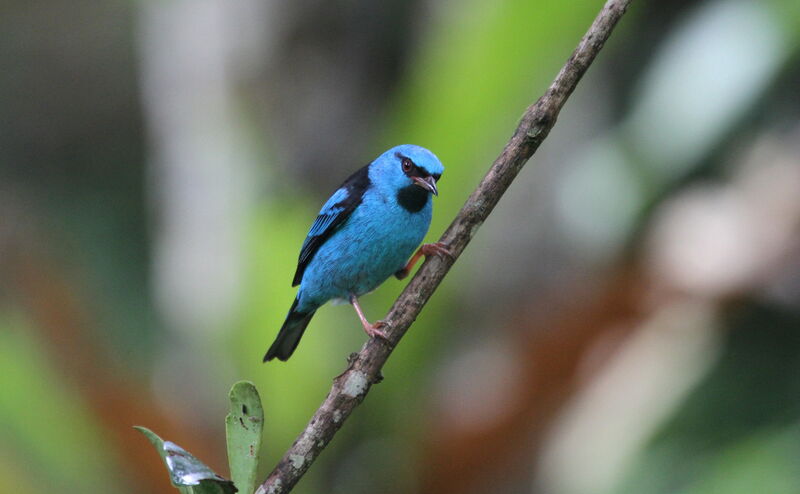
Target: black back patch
x=356 y=184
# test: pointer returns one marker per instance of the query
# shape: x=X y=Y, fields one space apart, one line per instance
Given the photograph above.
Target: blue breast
x=375 y=242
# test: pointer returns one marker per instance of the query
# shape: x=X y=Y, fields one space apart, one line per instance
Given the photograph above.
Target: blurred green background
x=627 y=320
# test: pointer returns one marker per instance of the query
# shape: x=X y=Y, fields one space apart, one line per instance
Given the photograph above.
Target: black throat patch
x=413 y=198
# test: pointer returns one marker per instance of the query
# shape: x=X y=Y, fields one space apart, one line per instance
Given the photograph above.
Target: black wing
x=331 y=217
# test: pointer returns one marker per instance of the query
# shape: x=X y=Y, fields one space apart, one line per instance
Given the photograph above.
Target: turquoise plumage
x=364 y=234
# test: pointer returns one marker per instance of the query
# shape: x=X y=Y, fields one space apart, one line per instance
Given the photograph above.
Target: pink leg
x=436 y=249
x=373 y=330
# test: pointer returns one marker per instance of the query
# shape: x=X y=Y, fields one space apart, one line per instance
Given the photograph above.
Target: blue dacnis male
x=364 y=234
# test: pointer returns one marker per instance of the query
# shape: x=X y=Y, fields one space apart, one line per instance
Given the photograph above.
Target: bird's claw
x=436 y=249
x=374 y=330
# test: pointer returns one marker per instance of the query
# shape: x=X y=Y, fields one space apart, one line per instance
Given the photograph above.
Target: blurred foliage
x=753 y=441
x=70 y=451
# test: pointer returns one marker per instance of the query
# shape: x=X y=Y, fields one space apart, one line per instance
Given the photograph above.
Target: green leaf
x=187 y=473
x=243 y=426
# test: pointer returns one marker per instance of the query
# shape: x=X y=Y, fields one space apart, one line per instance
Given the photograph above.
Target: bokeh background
x=627 y=320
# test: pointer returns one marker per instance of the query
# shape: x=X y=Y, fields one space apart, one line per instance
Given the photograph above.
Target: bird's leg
x=373 y=330
x=436 y=249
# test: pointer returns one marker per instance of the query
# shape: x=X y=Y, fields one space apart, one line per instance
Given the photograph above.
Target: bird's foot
x=374 y=330
x=436 y=249
x=427 y=250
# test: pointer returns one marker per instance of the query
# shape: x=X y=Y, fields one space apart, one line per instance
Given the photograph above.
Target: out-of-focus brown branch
x=552 y=346
x=114 y=398
x=350 y=388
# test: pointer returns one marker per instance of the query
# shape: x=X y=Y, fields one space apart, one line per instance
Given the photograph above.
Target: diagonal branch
x=350 y=388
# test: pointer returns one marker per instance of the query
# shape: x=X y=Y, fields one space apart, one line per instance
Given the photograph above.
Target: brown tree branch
x=350 y=388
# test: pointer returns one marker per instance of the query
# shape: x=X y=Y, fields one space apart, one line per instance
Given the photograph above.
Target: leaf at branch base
x=187 y=473
x=243 y=427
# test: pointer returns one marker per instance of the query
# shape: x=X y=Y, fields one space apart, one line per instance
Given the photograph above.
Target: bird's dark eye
x=407 y=165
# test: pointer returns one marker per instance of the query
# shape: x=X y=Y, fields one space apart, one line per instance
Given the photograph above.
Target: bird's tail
x=290 y=333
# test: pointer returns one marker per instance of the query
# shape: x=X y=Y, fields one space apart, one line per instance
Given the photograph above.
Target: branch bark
x=350 y=388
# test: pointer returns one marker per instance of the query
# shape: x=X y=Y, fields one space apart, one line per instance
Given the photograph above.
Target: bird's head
x=407 y=170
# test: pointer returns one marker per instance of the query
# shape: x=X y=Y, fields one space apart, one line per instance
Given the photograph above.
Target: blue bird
x=364 y=234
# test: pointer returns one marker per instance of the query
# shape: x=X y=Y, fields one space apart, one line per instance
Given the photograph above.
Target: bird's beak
x=428 y=183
